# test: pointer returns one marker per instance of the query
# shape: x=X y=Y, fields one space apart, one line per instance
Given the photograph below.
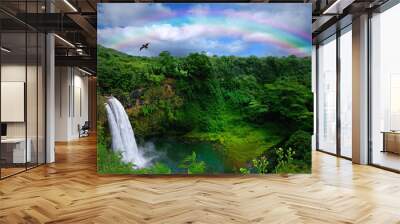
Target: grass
x=240 y=140
x=110 y=162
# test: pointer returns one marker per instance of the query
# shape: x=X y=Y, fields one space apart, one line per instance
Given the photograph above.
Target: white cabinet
x=19 y=155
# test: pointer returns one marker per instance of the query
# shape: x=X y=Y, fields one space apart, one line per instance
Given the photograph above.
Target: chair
x=84 y=130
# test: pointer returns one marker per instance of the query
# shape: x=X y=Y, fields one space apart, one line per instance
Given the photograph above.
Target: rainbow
x=215 y=22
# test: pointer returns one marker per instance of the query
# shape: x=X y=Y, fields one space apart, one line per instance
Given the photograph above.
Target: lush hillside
x=247 y=107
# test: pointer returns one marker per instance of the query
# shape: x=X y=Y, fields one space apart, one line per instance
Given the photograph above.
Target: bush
x=300 y=141
x=192 y=165
x=285 y=161
x=261 y=165
x=244 y=171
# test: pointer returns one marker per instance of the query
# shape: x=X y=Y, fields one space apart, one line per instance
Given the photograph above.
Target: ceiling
x=75 y=22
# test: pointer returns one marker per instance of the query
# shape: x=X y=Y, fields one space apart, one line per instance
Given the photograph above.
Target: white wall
x=71 y=94
x=80 y=110
x=62 y=82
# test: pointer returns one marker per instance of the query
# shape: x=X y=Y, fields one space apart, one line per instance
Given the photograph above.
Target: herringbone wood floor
x=70 y=191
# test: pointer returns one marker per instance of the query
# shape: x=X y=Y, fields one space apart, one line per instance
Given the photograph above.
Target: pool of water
x=171 y=152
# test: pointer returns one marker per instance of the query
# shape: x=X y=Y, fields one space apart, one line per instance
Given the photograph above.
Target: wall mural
x=204 y=88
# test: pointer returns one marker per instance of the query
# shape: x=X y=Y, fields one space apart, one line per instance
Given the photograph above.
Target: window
x=346 y=92
x=385 y=89
x=327 y=95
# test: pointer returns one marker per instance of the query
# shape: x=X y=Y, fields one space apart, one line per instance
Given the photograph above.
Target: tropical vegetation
x=256 y=110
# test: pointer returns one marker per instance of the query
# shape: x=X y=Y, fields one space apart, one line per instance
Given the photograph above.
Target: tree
x=198 y=66
x=290 y=102
x=169 y=66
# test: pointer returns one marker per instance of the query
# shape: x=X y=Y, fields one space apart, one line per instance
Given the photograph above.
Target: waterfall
x=123 y=138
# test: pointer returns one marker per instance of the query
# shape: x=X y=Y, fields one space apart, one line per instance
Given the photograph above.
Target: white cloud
x=290 y=17
x=178 y=40
x=127 y=14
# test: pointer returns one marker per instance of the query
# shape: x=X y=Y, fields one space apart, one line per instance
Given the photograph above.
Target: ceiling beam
x=337 y=7
x=80 y=61
x=89 y=30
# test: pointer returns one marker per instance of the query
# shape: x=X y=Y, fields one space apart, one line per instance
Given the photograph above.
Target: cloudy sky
x=216 y=29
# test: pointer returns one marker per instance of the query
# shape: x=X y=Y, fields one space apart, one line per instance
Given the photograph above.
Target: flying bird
x=144 y=46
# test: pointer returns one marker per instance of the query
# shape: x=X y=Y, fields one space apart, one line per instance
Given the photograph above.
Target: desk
x=15 y=148
x=391 y=141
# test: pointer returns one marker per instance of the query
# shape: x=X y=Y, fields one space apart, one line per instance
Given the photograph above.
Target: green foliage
x=241 y=141
x=290 y=102
x=246 y=105
x=157 y=112
x=157 y=168
x=244 y=171
x=261 y=165
x=300 y=142
x=285 y=161
x=198 y=66
x=256 y=110
x=169 y=66
x=101 y=110
x=160 y=168
x=192 y=165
